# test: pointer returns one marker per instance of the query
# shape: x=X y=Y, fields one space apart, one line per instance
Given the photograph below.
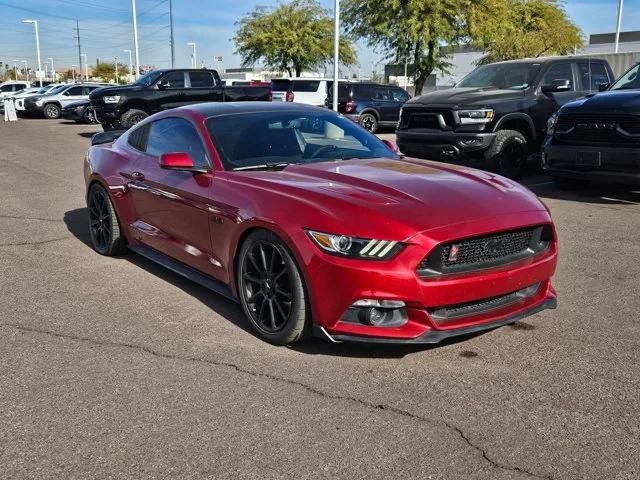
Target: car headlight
x=551 y=124
x=353 y=247
x=111 y=99
x=481 y=115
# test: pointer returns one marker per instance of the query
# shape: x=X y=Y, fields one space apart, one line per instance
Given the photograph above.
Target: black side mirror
x=163 y=84
x=557 y=86
x=603 y=87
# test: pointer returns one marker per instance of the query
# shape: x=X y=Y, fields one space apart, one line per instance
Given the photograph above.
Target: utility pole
x=135 y=38
x=193 y=54
x=73 y=73
x=39 y=72
x=130 y=65
x=86 y=67
x=173 y=42
x=79 y=49
x=619 y=23
x=53 y=72
x=336 y=51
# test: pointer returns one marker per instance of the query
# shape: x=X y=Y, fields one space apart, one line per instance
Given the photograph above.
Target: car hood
x=405 y=196
x=606 y=102
x=107 y=91
x=465 y=97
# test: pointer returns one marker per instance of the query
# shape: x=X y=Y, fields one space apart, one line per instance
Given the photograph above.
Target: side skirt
x=186 y=271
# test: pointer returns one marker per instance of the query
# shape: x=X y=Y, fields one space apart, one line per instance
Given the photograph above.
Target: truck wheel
x=369 y=121
x=131 y=117
x=52 y=111
x=508 y=153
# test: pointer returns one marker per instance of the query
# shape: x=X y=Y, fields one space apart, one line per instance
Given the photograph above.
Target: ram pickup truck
x=597 y=138
x=124 y=106
x=497 y=115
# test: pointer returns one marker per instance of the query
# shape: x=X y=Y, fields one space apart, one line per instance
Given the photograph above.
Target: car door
x=307 y=92
x=70 y=95
x=549 y=102
x=385 y=104
x=172 y=206
x=172 y=91
x=202 y=87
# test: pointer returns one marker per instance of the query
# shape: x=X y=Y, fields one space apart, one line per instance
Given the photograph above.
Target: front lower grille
x=485 y=251
x=477 y=307
x=432 y=119
x=596 y=129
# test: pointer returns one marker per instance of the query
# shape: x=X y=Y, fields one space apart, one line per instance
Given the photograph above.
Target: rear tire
x=369 y=122
x=104 y=227
x=52 y=111
x=131 y=117
x=271 y=289
x=508 y=153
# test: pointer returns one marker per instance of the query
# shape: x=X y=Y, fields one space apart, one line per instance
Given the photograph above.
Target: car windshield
x=512 y=76
x=263 y=140
x=148 y=78
x=629 y=81
x=58 y=89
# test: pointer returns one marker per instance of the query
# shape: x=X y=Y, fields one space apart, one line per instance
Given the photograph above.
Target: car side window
x=201 y=79
x=20 y=87
x=305 y=85
x=382 y=93
x=174 y=79
x=593 y=74
x=399 y=95
x=73 y=91
x=6 y=88
x=176 y=135
x=137 y=138
x=559 y=71
x=628 y=81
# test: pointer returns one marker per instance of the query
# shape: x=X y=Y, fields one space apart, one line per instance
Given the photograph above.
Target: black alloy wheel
x=369 y=121
x=270 y=289
x=104 y=228
x=89 y=115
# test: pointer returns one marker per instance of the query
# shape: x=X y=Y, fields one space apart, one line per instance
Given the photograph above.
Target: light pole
x=619 y=22
x=116 y=62
x=73 y=73
x=193 y=54
x=35 y=23
x=336 y=51
x=130 y=62
x=86 y=67
x=53 y=71
x=26 y=70
x=135 y=37
x=15 y=68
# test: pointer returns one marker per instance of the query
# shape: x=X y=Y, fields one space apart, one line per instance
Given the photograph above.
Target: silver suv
x=51 y=105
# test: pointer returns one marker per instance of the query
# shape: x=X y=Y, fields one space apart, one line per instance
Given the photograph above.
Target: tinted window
x=176 y=135
x=6 y=88
x=305 y=86
x=629 y=81
x=559 y=71
x=592 y=75
x=291 y=137
x=201 y=79
x=20 y=87
x=88 y=90
x=175 y=79
x=138 y=137
x=514 y=76
x=73 y=91
x=399 y=95
x=280 y=85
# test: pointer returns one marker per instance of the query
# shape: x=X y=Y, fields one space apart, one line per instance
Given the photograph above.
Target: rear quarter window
x=281 y=85
x=305 y=86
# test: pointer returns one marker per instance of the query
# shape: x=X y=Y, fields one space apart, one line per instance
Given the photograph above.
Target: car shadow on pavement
x=592 y=193
x=77 y=222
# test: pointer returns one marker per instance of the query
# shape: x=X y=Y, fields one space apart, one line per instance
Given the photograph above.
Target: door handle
x=133 y=176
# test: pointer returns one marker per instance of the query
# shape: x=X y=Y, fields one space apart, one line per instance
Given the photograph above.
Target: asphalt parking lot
x=117 y=368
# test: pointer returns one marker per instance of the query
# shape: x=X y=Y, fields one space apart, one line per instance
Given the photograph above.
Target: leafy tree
x=291 y=37
x=107 y=72
x=511 y=29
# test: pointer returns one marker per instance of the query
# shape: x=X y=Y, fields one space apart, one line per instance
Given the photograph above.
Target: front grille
x=602 y=128
x=477 y=307
x=485 y=251
x=426 y=119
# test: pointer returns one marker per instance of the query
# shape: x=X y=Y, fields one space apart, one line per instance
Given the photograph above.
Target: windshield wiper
x=264 y=166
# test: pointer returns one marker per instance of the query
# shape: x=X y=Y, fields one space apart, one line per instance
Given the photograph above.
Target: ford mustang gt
x=315 y=226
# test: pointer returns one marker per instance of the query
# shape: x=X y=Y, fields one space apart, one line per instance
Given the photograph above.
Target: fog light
x=379 y=317
x=369 y=302
x=467 y=142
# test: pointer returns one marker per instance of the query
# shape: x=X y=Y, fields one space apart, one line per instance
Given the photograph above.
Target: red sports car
x=316 y=226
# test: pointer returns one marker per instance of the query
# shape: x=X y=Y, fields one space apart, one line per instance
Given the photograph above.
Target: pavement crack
x=372 y=406
x=21 y=217
x=40 y=242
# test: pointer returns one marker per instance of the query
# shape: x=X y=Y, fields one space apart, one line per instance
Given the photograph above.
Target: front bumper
x=606 y=164
x=336 y=283
x=73 y=114
x=445 y=146
x=107 y=114
x=32 y=108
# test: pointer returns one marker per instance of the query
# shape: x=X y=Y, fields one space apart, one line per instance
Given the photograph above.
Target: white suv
x=50 y=105
x=9 y=89
x=310 y=91
x=18 y=98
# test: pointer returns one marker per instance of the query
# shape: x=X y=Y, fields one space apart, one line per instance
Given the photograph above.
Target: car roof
x=549 y=59
x=214 y=109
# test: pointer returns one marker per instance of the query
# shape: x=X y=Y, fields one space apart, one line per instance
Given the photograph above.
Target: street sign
x=40 y=75
x=10 y=111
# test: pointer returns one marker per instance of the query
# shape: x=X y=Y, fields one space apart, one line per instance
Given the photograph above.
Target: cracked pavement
x=117 y=368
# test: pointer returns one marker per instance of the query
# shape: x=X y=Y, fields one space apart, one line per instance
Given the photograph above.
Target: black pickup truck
x=124 y=106
x=597 y=138
x=497 y=115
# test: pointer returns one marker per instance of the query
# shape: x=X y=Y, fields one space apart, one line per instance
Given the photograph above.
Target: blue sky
x=105 y=28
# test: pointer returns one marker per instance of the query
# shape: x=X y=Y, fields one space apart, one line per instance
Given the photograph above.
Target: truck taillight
x=350 y=106
x=289 y=97
x=270 y=96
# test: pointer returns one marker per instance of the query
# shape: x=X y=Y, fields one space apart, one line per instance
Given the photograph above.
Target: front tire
x=89 y=116
x=271 y=289
x=369 y=122
x=132 y=117
x=104 y=227
x=508 y=153
x=52 y=111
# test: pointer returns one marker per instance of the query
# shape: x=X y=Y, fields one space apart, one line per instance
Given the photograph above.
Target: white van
x=310 y=91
